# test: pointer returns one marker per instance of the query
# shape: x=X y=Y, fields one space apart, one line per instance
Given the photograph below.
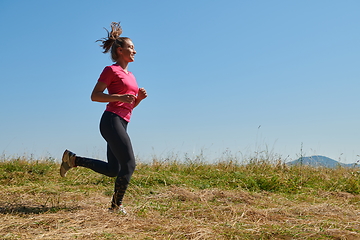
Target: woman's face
x=127 y=52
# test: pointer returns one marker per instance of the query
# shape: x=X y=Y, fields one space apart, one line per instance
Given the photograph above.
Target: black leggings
x=120 y=155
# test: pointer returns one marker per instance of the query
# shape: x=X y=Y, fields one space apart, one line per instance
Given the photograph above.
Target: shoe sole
x=65 y=163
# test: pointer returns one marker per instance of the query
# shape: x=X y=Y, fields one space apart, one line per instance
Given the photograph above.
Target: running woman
x=122 y=97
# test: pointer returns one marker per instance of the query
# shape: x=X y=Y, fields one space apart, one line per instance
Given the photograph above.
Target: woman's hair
x=113 y=40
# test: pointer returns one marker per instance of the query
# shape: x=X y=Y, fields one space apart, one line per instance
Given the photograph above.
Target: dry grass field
x=170 y=200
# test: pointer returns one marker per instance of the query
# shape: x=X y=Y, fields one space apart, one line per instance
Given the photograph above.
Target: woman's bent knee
x=113 y=173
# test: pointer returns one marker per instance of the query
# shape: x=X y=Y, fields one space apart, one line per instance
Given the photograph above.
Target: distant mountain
x=320 y=161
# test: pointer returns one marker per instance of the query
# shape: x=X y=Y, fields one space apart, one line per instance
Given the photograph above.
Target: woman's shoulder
x=111 y=69
x=114 y=68
x=108 y=73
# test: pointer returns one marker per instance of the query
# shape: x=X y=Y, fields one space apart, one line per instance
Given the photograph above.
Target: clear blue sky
x=224 y=77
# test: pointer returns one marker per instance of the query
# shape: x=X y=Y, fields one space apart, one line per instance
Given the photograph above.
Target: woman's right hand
x=98 y=95
x=127 y=98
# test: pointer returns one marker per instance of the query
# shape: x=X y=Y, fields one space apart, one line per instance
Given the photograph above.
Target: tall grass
x=255 y=175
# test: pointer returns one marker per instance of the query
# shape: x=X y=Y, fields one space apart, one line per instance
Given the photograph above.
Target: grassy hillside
x=173 y=200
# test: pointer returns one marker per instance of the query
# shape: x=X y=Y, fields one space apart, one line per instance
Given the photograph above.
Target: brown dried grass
x=180 y=213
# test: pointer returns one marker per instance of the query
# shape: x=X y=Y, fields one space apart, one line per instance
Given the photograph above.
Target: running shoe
x=68 y=161
x=119 y=209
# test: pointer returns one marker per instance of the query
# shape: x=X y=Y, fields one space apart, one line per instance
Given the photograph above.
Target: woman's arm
x=98 y=95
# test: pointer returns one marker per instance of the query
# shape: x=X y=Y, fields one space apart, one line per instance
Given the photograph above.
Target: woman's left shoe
x=68 y=161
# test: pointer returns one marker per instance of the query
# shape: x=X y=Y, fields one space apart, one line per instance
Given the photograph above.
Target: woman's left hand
x=142 y=94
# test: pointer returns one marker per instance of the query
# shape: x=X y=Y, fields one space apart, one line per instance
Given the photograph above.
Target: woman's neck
x=123 y=64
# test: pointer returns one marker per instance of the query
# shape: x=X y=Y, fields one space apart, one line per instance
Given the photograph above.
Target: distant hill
x=320 y=161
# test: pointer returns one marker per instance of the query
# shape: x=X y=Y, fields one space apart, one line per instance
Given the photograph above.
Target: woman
x=123 y=95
